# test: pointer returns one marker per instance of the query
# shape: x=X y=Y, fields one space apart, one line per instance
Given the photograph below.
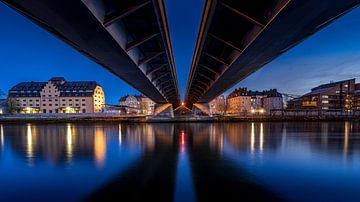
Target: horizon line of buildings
x=60 y=96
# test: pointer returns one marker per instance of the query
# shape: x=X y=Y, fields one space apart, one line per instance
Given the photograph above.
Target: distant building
x=239 y=101
x=272 y=102
x=3 y=106
x=339 y=96
x=137 y=104
x=242 y=101
x=147 y=106
x=218 y=105
x=58 y=96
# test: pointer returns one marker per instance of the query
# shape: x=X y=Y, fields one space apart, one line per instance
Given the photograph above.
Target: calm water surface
x=181 y=162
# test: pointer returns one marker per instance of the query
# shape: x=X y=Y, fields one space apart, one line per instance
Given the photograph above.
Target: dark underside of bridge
x=130 y=38
x=236 y=38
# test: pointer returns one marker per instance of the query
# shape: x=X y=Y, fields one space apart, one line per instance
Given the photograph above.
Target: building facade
x=334 y=96
x=3 y=106
x=58 y=96
x=242 y=101
x=218 y=105
x=238 y=102
x=137 y=104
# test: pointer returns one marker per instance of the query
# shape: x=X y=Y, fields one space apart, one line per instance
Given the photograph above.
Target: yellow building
x=58 y=96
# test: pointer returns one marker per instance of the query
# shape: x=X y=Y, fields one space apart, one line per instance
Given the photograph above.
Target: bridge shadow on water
x=184 y=165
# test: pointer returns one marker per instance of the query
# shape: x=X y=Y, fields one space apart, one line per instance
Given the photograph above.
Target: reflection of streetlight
x=252 y=138
x=182 y=141
x=261 y=137
x=182 y=104
x=120 y=135
x=346 y=137
x=1 y=137
x=69 y=142
x=99 y=146
x=29 y=142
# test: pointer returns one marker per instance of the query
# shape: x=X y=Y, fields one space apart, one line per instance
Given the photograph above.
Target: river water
x=180 y=162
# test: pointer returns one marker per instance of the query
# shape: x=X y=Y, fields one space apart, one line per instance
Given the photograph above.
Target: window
x=30 y=100
x=24 y=104
x=325 y=101
x=70 y=99
x=56 y=100
x=84 y=110
x=50 y=111
x=24 y=100
x=44 y=100
x=37 y=100
x=37 y=105
x=49 y=95
x=70 y=104
x=63 y=104
x=44 y=110
x=44 y=105
x=76 y=100
x=83 y=100
x=50 y=105
x=31 y=105
x=325 y=96
x=63 y=100
x=56 y=105
x=83 y=104
x=50 y=100
x=76 y=104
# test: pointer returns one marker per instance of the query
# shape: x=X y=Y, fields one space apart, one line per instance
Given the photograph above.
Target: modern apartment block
x=334 y=96
x=58 y=96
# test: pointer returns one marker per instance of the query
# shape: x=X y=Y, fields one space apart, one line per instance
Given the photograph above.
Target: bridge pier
x=164 y=109
x=201 y=109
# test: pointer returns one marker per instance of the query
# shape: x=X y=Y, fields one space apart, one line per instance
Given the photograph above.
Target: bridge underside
x=236 y=38
x=130 y=38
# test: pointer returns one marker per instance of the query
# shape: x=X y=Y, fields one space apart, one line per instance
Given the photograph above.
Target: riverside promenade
x=103 y=117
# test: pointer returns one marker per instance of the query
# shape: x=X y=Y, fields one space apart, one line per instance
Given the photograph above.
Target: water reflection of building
x=56 y=143
x=67 y=143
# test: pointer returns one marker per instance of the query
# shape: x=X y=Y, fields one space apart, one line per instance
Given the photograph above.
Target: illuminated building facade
x=3 y=106
x=238 y=102
x=218 y=105
x=137 y=104
x=334 y=96
x=243 y=101
x=58 y=96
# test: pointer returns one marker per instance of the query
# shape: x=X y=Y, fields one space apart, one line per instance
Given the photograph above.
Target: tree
x=12 y=105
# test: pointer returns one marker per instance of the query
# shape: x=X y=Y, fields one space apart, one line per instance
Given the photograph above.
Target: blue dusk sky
x=29 y=53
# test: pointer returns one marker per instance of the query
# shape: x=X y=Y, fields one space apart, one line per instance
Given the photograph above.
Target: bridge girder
x=126 y=37
x=236 y=38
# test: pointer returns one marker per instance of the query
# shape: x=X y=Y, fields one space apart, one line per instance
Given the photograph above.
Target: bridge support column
x=201 y=109
x=164 y=110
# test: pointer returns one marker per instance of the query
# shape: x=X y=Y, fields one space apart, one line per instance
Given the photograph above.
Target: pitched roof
x=67 y=89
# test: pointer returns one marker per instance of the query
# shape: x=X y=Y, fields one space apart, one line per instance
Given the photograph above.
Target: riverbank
x=74 y=118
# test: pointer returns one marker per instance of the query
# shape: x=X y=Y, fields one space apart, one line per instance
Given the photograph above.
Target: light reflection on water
x=195 y=161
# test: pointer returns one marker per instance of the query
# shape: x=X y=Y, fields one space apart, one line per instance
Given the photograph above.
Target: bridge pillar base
x=165 y=110
x=201 y=109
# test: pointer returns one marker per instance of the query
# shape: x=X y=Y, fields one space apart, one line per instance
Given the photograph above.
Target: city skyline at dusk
x=29 y=53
